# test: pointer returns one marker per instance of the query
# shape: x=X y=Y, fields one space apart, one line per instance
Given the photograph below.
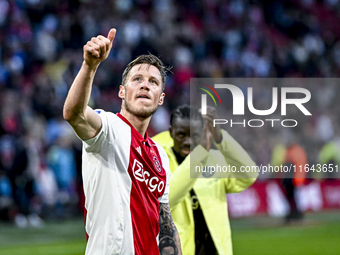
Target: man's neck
x=179 y=158
x=140 y=124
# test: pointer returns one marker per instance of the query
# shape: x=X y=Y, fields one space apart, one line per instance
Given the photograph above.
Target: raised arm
x=182 y=181
x=168 y=234
x=85 y=122
x=233 y=154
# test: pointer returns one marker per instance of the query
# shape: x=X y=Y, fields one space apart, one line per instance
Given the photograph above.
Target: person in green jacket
x=198 y=202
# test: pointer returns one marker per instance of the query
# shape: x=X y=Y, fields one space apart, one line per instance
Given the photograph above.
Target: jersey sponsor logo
x=157 y=164
x=98 y=111
x=143 y=176
x=137 y=170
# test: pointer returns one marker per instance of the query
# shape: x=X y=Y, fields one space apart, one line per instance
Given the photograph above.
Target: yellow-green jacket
x=211 y=192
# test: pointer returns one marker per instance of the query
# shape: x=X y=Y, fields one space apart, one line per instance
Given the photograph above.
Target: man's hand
x=206 y=139
x=98 y=48
x=215 y=131
x=84 y=120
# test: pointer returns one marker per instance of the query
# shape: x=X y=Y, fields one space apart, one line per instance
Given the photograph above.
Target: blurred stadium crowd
x=41 y=52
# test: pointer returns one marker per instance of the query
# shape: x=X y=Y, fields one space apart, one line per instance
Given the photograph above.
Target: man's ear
x=170 y=130
x=121 y=92
x=161 y=99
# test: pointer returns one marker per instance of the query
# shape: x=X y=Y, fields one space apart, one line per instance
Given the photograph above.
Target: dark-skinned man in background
x=199 y=205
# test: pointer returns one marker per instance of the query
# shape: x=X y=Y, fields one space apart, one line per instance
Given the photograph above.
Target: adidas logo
x=139 y=150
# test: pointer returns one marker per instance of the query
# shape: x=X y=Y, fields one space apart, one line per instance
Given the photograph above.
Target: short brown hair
x=149 y=60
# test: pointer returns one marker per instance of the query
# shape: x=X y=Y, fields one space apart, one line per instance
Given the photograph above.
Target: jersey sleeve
x=234 y=155
x=165 y=163
x=96 y=143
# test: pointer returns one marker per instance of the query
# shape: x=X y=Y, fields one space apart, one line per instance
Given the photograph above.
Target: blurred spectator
x=290 y=154
x=329 y=155
x=61 y=160
x=295 y=157
x=6 y=160
x=22 y=175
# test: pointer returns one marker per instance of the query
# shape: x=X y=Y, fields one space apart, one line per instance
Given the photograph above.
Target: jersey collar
x=147 y=140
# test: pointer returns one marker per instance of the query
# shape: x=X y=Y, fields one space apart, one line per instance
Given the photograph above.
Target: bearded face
x=142 y=93
x=142 y=112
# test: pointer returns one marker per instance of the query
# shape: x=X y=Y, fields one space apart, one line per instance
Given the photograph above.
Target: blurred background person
x=295 y=158
x=199 y=205
x=329 y=155
x=23 y=176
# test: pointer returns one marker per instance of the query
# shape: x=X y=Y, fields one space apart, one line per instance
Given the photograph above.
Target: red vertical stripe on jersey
x=148 y=184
